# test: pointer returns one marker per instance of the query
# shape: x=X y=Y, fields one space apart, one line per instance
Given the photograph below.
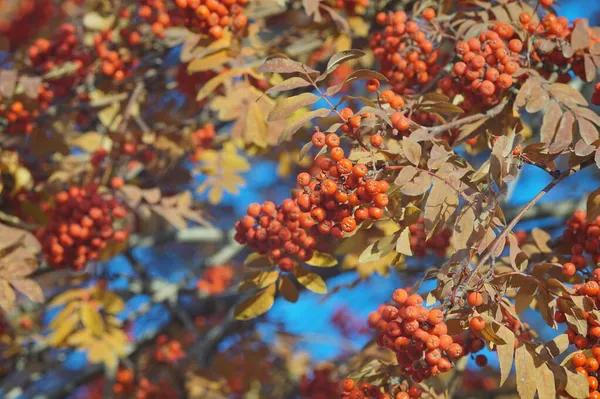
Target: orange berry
x=332 y=140
x=387 y=96
x=318 y=139
x=376 y=140
x=474 y=299
x=568 y=269
x=477 y=323
x=397 y=103
x=428 y=14
x=348 y=224
x=373 y=85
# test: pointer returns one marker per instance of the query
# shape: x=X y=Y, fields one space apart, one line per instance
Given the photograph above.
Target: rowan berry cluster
x=408 y=50
x=485 y=67
x=116 y=64
x=331 y=202
x=160 y=390
x=420 y=245
x=63 y=47
x=364 y=390
x=557 y=30
x=19 y=119
x=124 y=382
x=417 y=335
x=589 y=291
x=322 y=385
x=588 y=365
x=206 y=16
x=582 y=237
x=168 y=351
x=21 y=20
x=81 y=223
x=276 y=231
x=215 y=279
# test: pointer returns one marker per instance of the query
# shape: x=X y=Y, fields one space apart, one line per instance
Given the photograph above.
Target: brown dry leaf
x=412 y=150
x=580 y=37
x=525 y=369
x=505 y=352
x=441 y=204
x=564 y=134
x=544 y=378
x=567 y=95
x=538 y=100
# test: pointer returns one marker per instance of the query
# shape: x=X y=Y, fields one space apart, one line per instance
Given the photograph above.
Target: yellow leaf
x=116 y=340
x=257 y=304
x=257 y=261
x=215 y=195
x=231 y=182
x=215 y=82
x=81 y=338
x=209 y=62
x=100 y=352
x=65 y=329
x=111 y=302
x=262 y=279
x=92 y=319
x=310 y=280
x=284 y=167
x=68 y=296
x=343 y=42
x=89 y=142
x=320 y=259
x=66 y=312
x=358 y=26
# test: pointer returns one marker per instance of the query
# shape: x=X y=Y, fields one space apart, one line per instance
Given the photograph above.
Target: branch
x=500 y=239
x=491 y=113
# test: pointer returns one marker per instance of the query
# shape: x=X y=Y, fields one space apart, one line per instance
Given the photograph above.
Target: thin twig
x=491 y=249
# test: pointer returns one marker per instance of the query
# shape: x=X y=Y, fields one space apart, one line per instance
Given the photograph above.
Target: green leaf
x=287 y=106
x=310 y=280
x=320 y=259
x=256 y=305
